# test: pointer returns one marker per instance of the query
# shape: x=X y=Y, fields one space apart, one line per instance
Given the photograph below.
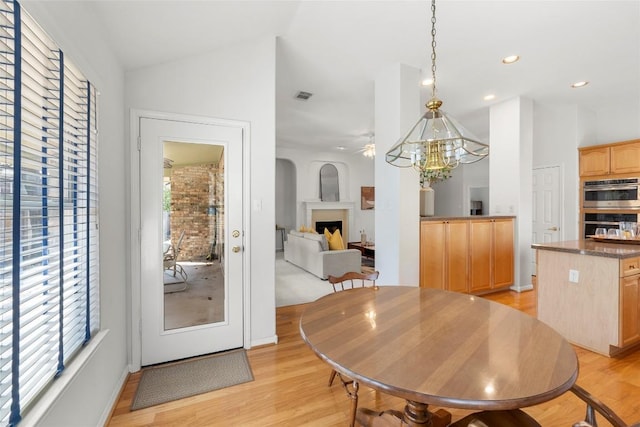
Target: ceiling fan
x=369 y=149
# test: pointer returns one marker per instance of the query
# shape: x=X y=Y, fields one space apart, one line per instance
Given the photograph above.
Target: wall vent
x=303 y=95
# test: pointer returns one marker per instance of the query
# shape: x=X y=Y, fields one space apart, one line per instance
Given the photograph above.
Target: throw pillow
x=335 y=240
x=304 y=229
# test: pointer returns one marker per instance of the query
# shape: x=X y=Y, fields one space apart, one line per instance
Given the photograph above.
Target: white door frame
x=134 y=302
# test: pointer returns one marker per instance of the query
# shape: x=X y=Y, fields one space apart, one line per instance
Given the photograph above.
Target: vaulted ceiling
x=335 y=50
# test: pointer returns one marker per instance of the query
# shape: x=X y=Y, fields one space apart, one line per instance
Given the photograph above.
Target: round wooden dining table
x=434 y=347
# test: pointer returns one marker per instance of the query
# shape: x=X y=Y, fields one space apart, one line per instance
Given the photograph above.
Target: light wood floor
x=290 y=388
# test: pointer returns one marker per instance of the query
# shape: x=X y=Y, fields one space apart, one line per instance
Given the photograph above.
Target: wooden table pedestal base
x=415 y=414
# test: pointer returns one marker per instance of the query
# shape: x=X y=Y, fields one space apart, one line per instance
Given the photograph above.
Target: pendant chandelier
x=436 y=141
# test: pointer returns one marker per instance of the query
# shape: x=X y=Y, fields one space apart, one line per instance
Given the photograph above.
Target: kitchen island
x=588 y=291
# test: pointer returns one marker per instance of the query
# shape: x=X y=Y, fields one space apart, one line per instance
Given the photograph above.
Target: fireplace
x=329 y=225
x=342 y=212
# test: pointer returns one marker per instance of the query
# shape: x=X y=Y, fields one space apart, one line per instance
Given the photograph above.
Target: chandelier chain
x=436 y=144
x=433 y=47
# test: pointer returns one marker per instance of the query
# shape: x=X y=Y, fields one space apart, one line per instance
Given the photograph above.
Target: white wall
x=616 y=121
x=354 y=171
x=88 y=395
x=510 y=176
x=397 y=108
x=225 y=84
x=556 y=143
x=285 y=197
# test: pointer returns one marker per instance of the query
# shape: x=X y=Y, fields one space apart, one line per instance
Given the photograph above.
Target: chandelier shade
x=436 y=141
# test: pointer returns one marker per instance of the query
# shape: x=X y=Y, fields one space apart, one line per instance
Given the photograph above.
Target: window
x=49 y=294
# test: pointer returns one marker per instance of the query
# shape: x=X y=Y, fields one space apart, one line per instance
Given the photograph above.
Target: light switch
x=574 y=276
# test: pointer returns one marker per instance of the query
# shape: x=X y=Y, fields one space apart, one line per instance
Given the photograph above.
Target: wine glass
x=601 y=232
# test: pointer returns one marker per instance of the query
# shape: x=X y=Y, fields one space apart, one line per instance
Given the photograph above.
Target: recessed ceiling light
x=341 y=147
x=510 y=59
x=489 y=97
x=579 y=84
x=427 y=82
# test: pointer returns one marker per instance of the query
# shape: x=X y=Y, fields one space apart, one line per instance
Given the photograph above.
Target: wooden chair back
x=595 y=405
x=351 y=279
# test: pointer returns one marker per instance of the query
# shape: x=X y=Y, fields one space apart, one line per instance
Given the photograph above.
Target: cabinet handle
x=553 y=229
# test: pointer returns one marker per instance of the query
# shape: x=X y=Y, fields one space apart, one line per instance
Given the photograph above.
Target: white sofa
x=310 y=252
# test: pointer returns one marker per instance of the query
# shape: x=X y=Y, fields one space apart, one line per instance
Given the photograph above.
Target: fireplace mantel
x=311 y=206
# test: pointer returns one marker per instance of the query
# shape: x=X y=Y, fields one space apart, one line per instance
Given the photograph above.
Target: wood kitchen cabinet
x=594 y=161
x=491 y=252
x=467 y=255
x=611 y=159
x=444 y=255
x=503 y=253
x=629 y=302
x=625 y=158
x=480 y=244
x=432 y=254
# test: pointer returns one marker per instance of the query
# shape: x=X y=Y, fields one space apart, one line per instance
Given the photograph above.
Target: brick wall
x=195 y=192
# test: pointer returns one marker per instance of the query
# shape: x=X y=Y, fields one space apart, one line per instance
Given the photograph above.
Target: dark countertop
x=592 y=247
x=446 y=218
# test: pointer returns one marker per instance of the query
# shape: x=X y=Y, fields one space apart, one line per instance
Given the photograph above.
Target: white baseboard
x=528 y=287
x=265 y=341
x=115 y=395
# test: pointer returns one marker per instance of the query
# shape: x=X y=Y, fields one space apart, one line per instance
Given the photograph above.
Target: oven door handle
x=609 y=188
x=602 y=223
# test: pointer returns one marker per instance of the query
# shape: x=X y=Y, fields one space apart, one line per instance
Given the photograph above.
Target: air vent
x=303 y=95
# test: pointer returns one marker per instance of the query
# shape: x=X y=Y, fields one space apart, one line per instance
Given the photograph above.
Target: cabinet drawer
x=629 y=266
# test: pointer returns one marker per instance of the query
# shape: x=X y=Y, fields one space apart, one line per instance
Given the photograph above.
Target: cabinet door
x=480 y=255
x=625 y=158
x=594 y=161
x=629 y=310
x=432 y=254
x=502 y=253
x=457 y=255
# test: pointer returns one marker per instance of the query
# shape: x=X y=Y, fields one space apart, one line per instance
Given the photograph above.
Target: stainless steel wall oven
x=612 y=193
x=606 y=220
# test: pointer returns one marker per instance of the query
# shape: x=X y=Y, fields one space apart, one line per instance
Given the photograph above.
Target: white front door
x=546 y=207
x=177 y=310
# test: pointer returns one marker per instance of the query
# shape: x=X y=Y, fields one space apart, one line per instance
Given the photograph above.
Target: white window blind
x=49 y=294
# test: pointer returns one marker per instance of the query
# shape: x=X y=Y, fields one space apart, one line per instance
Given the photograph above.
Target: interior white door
x=158 y=342
x=547 y=206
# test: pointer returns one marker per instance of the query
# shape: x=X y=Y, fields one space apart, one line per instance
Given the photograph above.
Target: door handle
x=553 y=229
x=236 y=249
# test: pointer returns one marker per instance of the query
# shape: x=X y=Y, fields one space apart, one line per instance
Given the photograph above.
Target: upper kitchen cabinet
x=625 y=158
x=594 y=161
x=611 y=159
